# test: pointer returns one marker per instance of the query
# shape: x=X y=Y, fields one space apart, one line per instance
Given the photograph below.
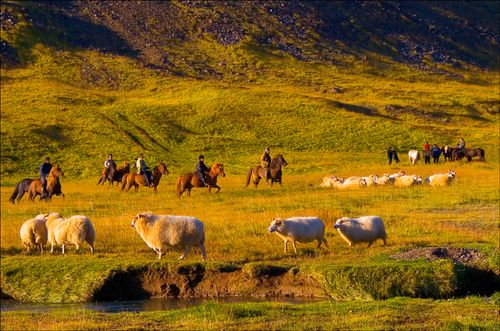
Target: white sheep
x=301 y=229
x=354 y=182
x=332 y=181
x=74 y=231
x=371 y=180
x=398 y=174
x=385 y=179
x=407 y=181
x=51 y=221
x=441 y=179
x=178 y=232
x=362 y=229
x=33 y=232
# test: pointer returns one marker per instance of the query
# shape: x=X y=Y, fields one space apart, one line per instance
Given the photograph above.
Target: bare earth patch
x=465 y=256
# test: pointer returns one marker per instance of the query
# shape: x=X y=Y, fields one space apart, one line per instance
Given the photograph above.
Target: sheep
x=301 y=229
x=74 y=231
x=33 y=232
x=398 y=174
x=371 y=180
x=51 y=221
x=178 y=232
x=385 y=179
x=407 y=181
x=353 y=182
x=330 y=181
x=362 y=229
x=441 y=179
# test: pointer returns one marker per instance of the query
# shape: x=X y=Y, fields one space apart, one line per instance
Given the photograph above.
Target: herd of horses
x=450 y=154
x=127 y=179
x=186 y=182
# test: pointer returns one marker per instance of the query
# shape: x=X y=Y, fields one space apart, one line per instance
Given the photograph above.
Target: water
x=139 y=305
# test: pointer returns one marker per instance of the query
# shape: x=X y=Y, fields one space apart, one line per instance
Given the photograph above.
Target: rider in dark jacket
x=45 y=168
x=201 y=169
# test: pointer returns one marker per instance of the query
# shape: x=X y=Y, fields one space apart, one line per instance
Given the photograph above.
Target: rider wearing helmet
x=201 y=169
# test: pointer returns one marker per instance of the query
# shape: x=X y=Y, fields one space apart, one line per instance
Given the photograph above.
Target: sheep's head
x=418 y=179
x=138 y=217
x=451 y=174
x=276 y=225
x=52 y=216
x=341 y=222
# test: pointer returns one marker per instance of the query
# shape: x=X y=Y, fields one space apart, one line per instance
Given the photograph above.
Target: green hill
x=80 y=80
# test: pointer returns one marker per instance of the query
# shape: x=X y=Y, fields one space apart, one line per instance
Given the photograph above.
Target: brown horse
x=114 y=175
x=256 y=173
x=133 y=179
x=447 y=153
x=53 y=185
x=469 y=153
x=190 y=180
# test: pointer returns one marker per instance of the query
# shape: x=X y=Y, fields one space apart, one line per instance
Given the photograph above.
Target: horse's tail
x=249 y=176
x=124 y=181
x=15 y=194
x=178 y=186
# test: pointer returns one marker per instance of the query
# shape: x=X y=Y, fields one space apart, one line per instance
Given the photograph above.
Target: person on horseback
x=265 y=162
x=142 y=169
x=108 y=164
x=201 y=169
x=461 y=144
x=44 y=172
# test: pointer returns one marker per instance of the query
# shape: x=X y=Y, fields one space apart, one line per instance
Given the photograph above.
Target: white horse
x=413 y=156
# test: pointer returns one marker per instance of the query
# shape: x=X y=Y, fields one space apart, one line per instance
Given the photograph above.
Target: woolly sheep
x=385 y=179
x=354 y=182
x=397 y=174
x=371 y=180
x=178 y=232
x=332 y=181
x=301 y=229
x=51 y=221
x=441 y=179
x=406 y=181
x=33 y=232
x=74 y=231
x=363 y=229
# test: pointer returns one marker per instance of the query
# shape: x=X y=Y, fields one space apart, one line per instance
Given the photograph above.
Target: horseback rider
x=108 y=164
x=201 y=170
x=142 y=169
x=45 y=168
x=461 y=144
x=265 y=162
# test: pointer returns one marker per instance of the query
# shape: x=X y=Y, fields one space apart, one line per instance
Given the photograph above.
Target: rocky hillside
x=171 y=35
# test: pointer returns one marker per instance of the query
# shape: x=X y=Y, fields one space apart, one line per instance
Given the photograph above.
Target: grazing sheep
x=301 y=229
x=332 y=181
x=441 y=179
x=74 y=231
x=385 y=179
x=34 y=233
x=407 y=181
x=162 y=231
x=397 y=174
x=363 y=229
x=353 y=182
x=51 y=221
x=371 y=180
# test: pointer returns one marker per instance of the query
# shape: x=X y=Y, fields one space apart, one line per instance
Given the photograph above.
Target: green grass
x=398 y=313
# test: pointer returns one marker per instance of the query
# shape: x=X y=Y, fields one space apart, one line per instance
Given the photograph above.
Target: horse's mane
x=275 y=160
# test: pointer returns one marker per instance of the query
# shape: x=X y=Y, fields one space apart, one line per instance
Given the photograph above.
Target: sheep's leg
x=385 y=241
x=51 y=248
x=324 y=242
x=294 y=247
x=62 y=249
x=41 y=248
x=370 y=243
x=203 y=253
x=286 y=246
x=77 y=247
x=186 y=252
x=91 y=249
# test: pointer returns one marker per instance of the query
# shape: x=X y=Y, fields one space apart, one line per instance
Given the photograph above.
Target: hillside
x=173 y=79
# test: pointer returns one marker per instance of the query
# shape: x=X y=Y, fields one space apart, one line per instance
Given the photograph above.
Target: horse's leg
x=188 y=192
x=218 y=188
x=209 y=188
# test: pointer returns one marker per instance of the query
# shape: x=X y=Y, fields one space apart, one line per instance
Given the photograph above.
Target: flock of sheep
x=399 y=179
x=161 y=232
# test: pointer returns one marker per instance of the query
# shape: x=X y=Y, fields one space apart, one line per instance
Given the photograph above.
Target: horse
x=427 y=156
x=469 y=153
x=256 y=173
x=114 y=175
x=413 y=156
x=447 y=153
x=190 y=180
x=53 y=185
x=21 y=188
x=133 y=179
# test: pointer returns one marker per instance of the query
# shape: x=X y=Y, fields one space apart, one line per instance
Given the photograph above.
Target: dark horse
x=447 y=153
x=114 y=175
x=53 y=185
x=133 y=179
x=257 y=173
x=21 y=188
x=190 y=180
x=468 y=153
